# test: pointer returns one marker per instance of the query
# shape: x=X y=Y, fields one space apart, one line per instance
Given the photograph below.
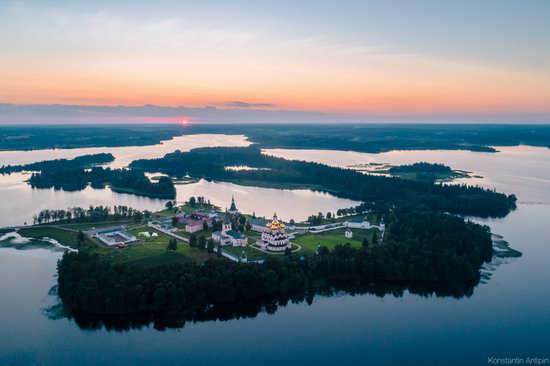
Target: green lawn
x=5 y=231
x=150 y=248
x=251 y=253
x=169 y=212
x=65 y=237
x=88 y=226
x=330 y=239
x=207 y=233
x=253 y=236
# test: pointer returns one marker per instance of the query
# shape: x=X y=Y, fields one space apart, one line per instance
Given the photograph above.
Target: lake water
x=20 y=201
x=507 y=315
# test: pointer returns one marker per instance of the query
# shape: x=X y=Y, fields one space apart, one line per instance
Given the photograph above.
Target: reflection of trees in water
x=250 y=309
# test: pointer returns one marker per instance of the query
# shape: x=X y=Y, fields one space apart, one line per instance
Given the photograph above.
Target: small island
x=80 y=162
x=427 y=172
x=76 y=174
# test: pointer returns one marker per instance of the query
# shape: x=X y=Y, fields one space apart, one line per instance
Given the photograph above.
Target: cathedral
x=274 y=236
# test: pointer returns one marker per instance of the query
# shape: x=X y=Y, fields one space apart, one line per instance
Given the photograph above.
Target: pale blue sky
x=380 y=57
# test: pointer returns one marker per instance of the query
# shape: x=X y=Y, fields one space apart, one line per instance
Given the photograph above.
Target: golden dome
x=275 y=224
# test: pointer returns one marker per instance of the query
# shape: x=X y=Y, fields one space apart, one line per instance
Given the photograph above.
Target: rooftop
x=234 y=234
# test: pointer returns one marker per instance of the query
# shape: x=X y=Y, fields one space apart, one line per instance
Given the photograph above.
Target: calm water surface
x=506 y=316
x=20 y=201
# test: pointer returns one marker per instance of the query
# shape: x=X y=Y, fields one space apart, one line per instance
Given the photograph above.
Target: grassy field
x=251 y=253
x=4 y=231
x=330 y=239
x=65 y=237
x=253 y=236
x=207 y=233
x=150 y=251
x=88 y=226
x=151 y=247
x=169 y=212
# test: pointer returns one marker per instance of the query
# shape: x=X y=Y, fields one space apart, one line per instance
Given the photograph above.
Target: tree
x=80 y=237
x=169 y=204
x=192 y=201
x=202 y=242
x=172 y=245
x=219 y=250
x=287 y=251
x=365 y=242
x=374 y=238
x=193 y=241
x=174 y=220
x=204 y=225
x=210 y=246
x=242 y=220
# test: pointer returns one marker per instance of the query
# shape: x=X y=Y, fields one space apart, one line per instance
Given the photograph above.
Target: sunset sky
x=288 y=60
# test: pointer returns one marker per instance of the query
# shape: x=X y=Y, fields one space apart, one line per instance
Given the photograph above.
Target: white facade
x=357 y=224
x=274 y=236
x=348 y=234
x=228 y=236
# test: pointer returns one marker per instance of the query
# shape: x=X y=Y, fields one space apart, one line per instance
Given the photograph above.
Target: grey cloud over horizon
x=245 y=113
x=240 y=104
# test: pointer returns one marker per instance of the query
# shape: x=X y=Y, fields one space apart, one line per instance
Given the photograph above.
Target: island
x=131 y=263
x=76 y=174
x=424 y=171
x=269 y=171
x=184 y=261
x=80 y=162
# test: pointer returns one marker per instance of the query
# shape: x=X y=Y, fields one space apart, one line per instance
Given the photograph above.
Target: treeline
x=85 y=161
x=90 y=214
x=71 y=137
x=374 y=138
x=422 y=167
x=210 y=163
x=121 y=180
x=428 y=255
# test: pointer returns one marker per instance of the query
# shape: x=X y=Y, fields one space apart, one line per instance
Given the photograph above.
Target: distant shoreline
x=365 y=138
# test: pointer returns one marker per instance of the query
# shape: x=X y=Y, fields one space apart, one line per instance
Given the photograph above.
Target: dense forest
x=210 y=163
x=90 y=214
x=376 y=138
x=72 y=136
x=121 y=180
x=423 y=167
x=80 y=162
x=372 y=138
x=441 y=248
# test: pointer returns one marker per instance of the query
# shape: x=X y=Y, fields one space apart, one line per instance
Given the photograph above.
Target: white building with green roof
x=228 y=236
